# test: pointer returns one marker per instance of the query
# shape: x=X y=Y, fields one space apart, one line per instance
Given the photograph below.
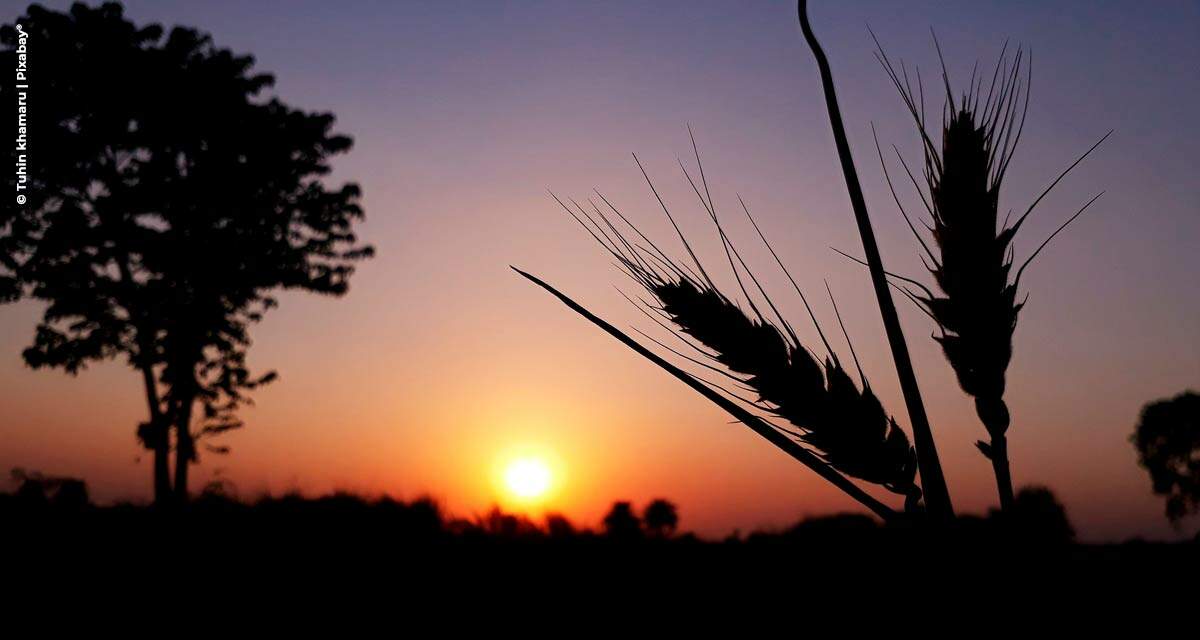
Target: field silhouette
x=46 y=504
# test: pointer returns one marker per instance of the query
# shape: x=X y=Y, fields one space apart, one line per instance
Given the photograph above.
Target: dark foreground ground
x=344 y=567
x=56 y=532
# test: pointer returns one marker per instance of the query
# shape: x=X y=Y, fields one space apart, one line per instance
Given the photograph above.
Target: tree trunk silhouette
x=937 y=497
x=159 y=427
x=159 y=438
x=184 y=444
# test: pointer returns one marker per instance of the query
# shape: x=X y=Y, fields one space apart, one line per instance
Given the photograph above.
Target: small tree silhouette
x=660 y=518
x=558 y=526
x=1036 y=516
x=507 y=525
x=622 y=522
x=167 y=213
x=36 y=490
x=1167 y=439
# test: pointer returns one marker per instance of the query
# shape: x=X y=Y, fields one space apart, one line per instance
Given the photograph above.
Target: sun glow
x=528 y=478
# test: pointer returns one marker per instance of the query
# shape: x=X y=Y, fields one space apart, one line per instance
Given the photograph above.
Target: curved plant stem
x=994 y=414
x=937 y=497
x=756 y=424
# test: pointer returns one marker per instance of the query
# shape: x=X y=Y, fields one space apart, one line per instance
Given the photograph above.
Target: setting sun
x=527 y=478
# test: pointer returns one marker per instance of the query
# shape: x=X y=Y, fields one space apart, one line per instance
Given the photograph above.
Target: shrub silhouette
x=622 y=523
x=842 y=529
x=36 y=491
x=498 y=524
x=1036 y=516
x=559 y=527
x=39 y=494
x=660 y=518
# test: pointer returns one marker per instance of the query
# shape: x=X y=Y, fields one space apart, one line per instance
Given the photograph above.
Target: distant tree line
x=46 y=501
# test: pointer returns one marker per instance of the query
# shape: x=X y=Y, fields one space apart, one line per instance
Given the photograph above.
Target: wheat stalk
x=848 y=426
x=972 y=256
x=754 y=422
x=937 y=496
x=845 y=426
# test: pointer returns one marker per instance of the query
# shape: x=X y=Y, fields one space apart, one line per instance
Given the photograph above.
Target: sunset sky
x=441 y=365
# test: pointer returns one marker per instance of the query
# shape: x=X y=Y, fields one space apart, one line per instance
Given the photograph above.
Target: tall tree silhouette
x=1167 y=439
x=168 y=213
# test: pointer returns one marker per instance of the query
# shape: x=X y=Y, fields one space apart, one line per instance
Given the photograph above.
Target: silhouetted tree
x=1167 y=439
x=622 y=522
x=558 y=526
x=1036 y=516
x=839 y=529
x=660 y=518
x=167 y=213
x=507 y=525
x=36 y=490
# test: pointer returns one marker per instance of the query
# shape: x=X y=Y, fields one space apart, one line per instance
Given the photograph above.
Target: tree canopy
x=661 y=518
x=1167 y=439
